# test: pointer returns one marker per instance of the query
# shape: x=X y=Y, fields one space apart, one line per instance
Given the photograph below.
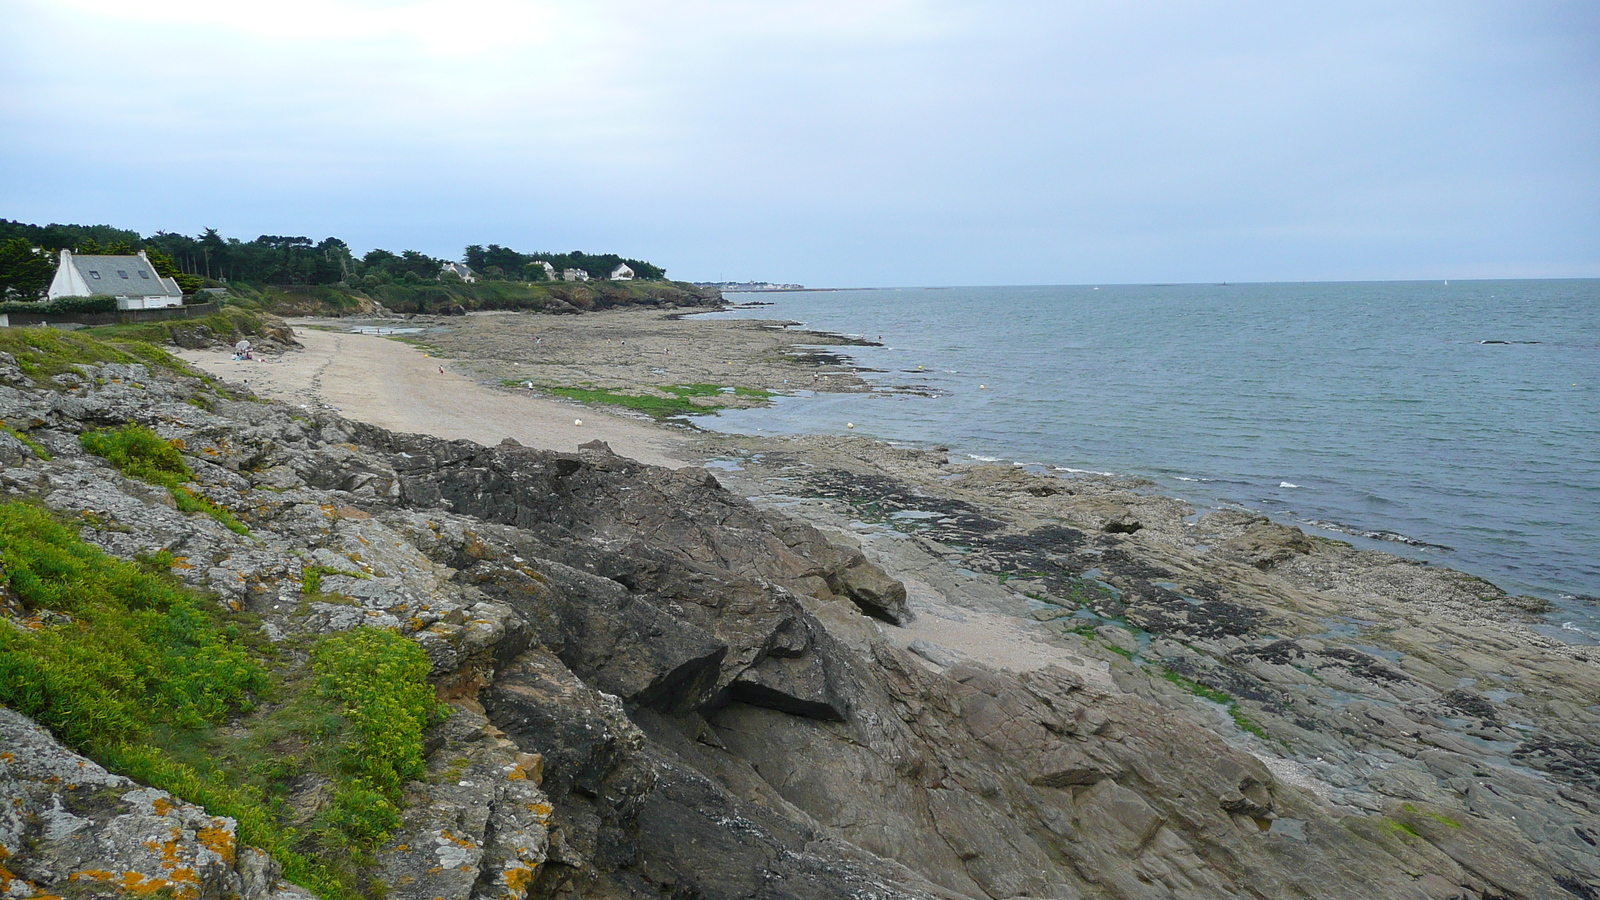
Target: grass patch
x=311 y=577
x=43 y=353
x=224 y=323
x=127 y=666
x=138 y=452
x=34 y=446
x=678 y=402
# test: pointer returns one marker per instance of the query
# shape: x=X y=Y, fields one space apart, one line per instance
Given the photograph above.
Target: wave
x=1394 y=537
x=1072 y=471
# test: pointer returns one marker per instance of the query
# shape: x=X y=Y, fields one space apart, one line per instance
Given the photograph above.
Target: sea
x=1453 y=422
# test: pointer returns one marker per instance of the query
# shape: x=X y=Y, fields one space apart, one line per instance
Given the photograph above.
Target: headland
x=847 y=667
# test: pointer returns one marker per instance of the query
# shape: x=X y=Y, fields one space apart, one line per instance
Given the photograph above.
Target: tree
x=91 y=247
x=166 y=268
x=25 y=270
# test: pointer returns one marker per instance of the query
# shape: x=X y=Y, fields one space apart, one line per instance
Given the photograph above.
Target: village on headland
x=65 y=272
x=640 y=657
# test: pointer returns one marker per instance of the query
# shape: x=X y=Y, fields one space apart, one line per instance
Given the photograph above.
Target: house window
x=122 y=273
x=95 y=274
x=145 y=275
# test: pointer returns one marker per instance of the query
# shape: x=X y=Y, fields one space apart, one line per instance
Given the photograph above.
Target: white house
x=574 y=275
x=549 y=270
x=464 y=273
x=130 y=279
x=622 y=273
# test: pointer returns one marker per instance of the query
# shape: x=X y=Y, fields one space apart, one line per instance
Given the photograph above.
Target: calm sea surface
x=1463 y=416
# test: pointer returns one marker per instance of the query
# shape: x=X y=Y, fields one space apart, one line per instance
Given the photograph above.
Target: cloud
x=831 y=141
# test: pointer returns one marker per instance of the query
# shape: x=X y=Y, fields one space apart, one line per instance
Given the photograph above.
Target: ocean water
x=1457 y=423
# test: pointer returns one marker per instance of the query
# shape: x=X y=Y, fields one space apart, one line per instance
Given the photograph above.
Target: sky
x=832 y=142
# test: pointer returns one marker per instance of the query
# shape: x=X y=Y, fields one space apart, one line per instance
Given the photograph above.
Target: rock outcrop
x=657 y=689
x=68 y=827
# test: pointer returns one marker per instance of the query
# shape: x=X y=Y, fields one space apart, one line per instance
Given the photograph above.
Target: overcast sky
x=831 y=142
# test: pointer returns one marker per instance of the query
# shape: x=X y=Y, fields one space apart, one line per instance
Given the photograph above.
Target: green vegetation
x=1400 y=828
x=421 y=295
x=231 y=322
x=678 y=401
x=28 y=259
x=33 y=445
x=1444 y=820
x=1196 y=688
x=25 y=270
x=311 y=578
x=123 y=664
x=1245 y=723
x=1086 y=630
x=378 y=681
x=1007 y=576
x=1240 y=720
x=138 y=452
x=45 y=352
x=61 y=306
x=127 y=645
x=496 y=261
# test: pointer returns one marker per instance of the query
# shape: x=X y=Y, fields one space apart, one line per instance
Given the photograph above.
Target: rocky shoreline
x=826 y=667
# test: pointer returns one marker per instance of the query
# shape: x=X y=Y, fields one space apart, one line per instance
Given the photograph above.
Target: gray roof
x=122 y=276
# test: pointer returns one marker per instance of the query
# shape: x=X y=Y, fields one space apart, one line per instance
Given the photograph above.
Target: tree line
x=28 y=259
x=495 y=261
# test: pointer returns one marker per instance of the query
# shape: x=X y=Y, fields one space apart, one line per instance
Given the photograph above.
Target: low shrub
x=138 y=452
x=127 y=666
x=117 y=649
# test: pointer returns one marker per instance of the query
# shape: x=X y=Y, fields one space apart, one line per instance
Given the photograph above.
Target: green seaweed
x=678 y=402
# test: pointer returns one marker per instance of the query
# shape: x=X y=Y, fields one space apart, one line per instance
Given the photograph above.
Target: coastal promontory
x=255 y=648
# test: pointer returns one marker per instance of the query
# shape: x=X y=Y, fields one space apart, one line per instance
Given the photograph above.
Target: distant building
x=130 y=279
x=622 y=273
x=574 y=275
x=459 y=270
x=549 y=270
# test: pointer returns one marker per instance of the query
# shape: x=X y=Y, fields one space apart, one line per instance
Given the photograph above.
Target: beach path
x=393 y=385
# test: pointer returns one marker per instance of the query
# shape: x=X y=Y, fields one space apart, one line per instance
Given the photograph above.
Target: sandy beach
x=393 y=385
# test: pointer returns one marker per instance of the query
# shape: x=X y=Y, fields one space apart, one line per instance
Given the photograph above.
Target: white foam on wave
x=983 y=458
x=1084 y=471
x=1285 y=484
